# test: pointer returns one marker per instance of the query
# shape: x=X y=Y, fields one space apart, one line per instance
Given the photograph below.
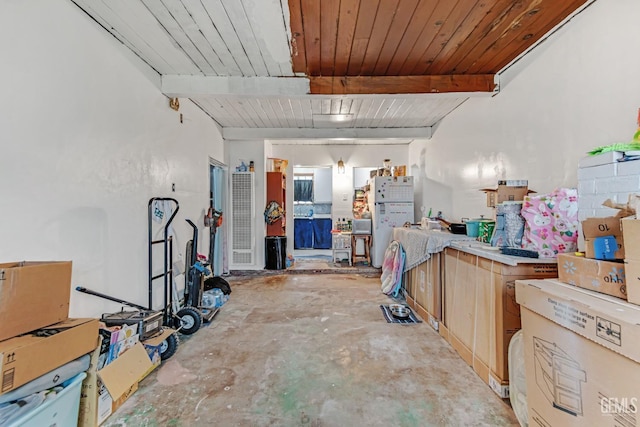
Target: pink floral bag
x=551 y=222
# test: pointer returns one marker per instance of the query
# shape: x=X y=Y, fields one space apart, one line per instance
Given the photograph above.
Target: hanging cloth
x=273 y=212
x=392 y=267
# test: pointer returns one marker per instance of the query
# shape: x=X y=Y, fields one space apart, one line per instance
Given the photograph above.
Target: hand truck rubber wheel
x=190 y=320
x=169 y=346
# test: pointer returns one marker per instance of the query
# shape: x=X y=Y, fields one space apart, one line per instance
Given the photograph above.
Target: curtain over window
x=303 y=189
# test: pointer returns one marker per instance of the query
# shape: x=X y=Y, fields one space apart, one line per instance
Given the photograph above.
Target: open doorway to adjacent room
x=217 y=232
x=312 y=203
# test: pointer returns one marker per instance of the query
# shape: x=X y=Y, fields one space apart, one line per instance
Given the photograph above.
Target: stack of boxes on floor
x=118 y=364
x=54 y=370
x=42 y=349
x=581 y=332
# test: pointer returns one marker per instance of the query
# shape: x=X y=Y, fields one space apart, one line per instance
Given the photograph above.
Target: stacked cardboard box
x=597 y=231
x=607 y=277
x=581 y=355
x=34 y=295
x=600 y=268
x=34 y=323
x=507 y=191
x=117 y=366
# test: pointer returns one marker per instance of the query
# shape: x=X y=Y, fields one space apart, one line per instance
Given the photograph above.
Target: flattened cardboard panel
x=125 y=371
x=157 y=340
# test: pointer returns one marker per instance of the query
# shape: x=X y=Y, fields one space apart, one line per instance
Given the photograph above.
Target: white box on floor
x=582 y=356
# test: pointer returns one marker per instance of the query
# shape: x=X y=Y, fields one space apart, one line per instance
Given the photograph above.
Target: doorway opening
x=312 y=204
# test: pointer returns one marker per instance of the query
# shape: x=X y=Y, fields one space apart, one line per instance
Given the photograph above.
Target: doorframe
x=221 y=232
x=328 y=167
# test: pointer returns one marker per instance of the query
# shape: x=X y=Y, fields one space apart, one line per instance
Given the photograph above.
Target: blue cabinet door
x=302 y=233
x=322 y=233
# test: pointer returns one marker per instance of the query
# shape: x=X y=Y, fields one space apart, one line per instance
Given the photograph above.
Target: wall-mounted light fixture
x=174 y=104
x=340 y=166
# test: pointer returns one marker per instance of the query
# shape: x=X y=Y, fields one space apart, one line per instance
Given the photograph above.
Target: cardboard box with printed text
x=582 y=357
x=607 y=277
x=29 y=356
x=507 y=191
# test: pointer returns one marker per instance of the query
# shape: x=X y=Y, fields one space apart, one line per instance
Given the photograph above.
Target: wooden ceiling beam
x=402 y=84
x=180 y=86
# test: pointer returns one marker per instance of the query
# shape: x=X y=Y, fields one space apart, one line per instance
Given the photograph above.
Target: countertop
x=490 y=252
x=419 y=244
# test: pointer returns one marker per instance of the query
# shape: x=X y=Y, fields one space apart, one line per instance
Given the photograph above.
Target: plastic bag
x=551 y=222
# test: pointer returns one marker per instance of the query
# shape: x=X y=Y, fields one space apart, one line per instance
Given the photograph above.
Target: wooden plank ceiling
x=328 y=64
x=415 y=46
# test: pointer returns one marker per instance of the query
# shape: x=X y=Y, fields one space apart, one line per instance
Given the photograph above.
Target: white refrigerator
x=391 y=205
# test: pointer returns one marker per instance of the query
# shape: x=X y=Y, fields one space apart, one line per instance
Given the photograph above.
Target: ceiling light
x=340 y=117
x=334 y=118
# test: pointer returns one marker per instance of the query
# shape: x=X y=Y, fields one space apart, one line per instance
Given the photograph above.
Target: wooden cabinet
x=424 y=289
x=277 y=192
x=480 y=313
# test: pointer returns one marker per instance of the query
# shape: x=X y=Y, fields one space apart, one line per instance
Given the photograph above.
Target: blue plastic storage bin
x=60 y=411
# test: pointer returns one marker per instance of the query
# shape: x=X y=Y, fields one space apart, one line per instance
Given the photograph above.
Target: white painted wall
x=579 y=91
x=353 y=155
x=86 y=141
x=322 y=185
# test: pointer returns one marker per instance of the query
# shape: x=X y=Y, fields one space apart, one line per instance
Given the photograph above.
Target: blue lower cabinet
x=322 y=233
x=302 y=233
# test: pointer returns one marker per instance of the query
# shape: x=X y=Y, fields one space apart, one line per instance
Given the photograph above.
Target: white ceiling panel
x=299 y=112
x=232 y=58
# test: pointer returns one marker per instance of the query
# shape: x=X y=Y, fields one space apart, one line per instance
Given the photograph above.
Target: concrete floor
x=312 y=350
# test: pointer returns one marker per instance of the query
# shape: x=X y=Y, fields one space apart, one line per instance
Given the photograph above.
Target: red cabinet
x=277 y=192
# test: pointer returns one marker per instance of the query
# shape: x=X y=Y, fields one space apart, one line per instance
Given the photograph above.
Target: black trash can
x=275 y=252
